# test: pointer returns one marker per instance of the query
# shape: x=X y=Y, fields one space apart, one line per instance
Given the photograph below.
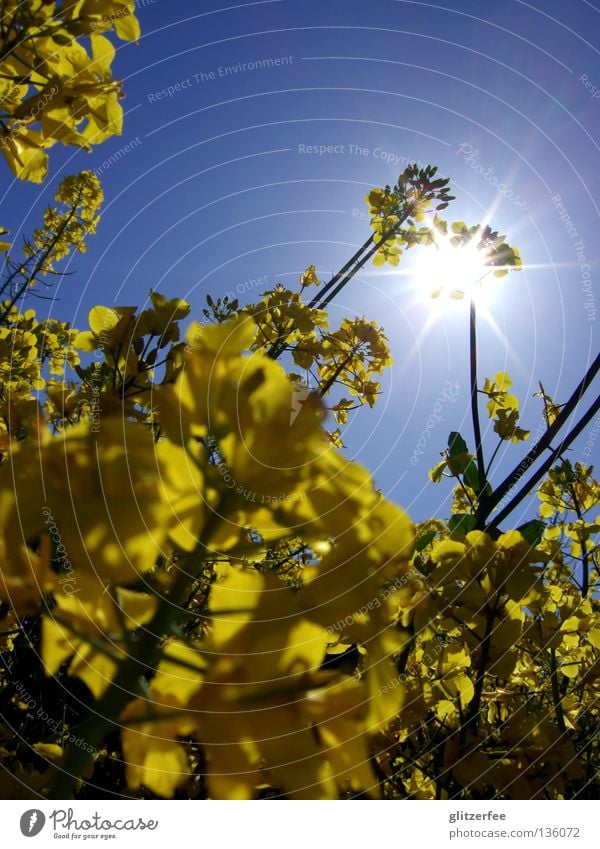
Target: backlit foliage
x=314 y=643
x=399 y=222
x=52 y=87
x=200 y=594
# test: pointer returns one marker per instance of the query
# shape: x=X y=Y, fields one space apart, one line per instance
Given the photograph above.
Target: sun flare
x=451 y=272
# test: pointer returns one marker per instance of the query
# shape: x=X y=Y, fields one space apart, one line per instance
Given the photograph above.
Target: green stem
x=471 y=720
x=585 y=578
x=556 y=699
x=41 y=261
x=545 y=467
x=475 y=397
x=357 y=264
x=339 y=369
x=342 y=277
x=487 y=504
x=313 y=304
x=493 y=457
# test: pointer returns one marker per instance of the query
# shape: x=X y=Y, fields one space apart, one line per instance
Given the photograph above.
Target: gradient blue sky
x=216 y=190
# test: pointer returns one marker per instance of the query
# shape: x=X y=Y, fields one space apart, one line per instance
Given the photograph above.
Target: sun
x=451 y=272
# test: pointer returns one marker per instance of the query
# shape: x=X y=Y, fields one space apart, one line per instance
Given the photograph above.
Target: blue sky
x=217 y=188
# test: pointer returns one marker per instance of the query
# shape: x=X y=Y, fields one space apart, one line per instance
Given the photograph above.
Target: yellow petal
x=103 y=53
x=160 y=765
x=102 y=319
x=85 y=341
x=127 y=27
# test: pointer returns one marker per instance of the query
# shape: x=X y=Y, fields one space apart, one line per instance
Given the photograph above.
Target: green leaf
x=471 y=475
x=462 y=522
x=424 y=541
x=456 y=445
x=533 y=531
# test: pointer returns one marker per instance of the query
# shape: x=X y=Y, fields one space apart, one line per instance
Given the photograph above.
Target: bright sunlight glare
x=448 y=272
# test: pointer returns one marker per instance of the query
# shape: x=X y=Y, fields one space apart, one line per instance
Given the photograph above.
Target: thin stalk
x=340 y=368
x=493 y=457
x=547 y=465
x=371 y=247
x=471 y=719
x=487 y=504
x=342 y=277
x=348 y=277
x=40 y=263
x=340 y=273
x=475 y=396
x=556 y=697
x=585 y=578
